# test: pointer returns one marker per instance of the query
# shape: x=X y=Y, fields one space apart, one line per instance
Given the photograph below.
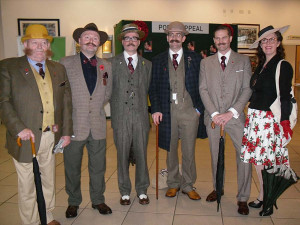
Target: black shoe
x=267 y=212
x=71 y=211
x=102 y=208
x=253 y=204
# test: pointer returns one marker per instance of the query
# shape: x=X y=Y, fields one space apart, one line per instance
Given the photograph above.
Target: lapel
x=25 y=70
x=54 y=79
x=79 y=75
x=164 y=60
x=230 y=65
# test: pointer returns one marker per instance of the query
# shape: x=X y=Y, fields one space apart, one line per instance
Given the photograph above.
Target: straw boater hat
x=36 y=31
x=131 y=27
x=176 y=26
x=91 y=26
x=266 y=31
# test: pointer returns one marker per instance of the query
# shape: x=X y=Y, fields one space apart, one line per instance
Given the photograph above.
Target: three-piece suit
x=221 y=90
x=130 y=120
x=22 y=106
x=89 y=122
x=179 y=120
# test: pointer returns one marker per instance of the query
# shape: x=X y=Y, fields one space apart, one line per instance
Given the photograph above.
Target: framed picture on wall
x=52 y=25
x=253 y=59
x=247 y=34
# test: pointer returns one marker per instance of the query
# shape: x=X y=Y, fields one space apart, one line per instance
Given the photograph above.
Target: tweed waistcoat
x=46 y=93
x=177 y=85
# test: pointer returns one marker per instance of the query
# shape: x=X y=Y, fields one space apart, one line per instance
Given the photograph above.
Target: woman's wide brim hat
x=266 y=31
x=36 y=31
x=129 y=28
x=91 y=26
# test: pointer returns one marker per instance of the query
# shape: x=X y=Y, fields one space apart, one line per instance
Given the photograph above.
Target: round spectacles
x=270 y=40
x=177 y=35
x=126 y=38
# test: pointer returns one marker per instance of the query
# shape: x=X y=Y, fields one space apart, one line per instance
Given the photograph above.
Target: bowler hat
x=36 y=31
x=266 y=31
x=131 y=27
x=176 y=26
x=91 y=26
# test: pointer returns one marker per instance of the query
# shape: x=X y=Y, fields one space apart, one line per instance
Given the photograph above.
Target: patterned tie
x=223 y=65
x=175 y=63
x=130 y=66
x=41 y=71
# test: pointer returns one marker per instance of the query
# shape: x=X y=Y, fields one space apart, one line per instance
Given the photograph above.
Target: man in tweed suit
x=90 y=78
x=225 y=90
x=176 y=106
x=129 y=113
x=35 y=102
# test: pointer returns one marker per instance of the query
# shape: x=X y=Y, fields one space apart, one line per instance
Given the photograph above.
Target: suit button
x=40 y=128
x=126 y=91
x=90 y=111
x=125 y=102
x=91 y=98
x=41 y=111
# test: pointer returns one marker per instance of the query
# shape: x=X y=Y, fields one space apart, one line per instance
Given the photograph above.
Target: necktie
x=41 y=71
x=130 y=66
x=175 y=63
x=223 y=65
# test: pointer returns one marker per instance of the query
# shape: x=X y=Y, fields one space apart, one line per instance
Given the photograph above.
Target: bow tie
x=93 y=62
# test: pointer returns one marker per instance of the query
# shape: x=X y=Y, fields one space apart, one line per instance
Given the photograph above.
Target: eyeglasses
x=270 y=40
x=177 y=35
x=126 y=38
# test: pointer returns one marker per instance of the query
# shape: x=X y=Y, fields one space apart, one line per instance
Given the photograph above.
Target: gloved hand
x=286 y=129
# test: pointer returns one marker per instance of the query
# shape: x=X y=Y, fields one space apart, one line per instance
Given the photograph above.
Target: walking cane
x=157 y=161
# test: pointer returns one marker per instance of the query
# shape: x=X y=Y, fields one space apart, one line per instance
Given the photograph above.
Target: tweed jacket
x=21 y=105
x=120 y=95
x=222 y=90
x=88 y=110
x=160 y=92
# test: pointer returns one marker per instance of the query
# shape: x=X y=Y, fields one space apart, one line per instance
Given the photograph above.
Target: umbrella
x=157 y=154
x=275 y=181
x=38 y=184
x=220 y=166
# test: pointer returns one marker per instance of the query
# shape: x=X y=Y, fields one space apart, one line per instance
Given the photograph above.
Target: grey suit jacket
x=222 y=90
x=88 y=110
x=21 y=105
x=119 y=95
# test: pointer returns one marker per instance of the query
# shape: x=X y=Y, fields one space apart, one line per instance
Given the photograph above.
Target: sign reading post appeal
x=193 y=28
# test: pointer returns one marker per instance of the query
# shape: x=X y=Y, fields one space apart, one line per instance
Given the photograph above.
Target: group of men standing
x=46 y=101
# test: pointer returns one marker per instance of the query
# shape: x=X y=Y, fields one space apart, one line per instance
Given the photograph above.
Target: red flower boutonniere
x=165 y=69
x=104 y=77
x=101 y=67
x=26 y=71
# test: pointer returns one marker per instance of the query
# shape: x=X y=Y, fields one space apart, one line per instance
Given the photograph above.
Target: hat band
x=130 y=28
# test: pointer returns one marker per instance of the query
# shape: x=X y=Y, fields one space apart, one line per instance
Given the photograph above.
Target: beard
x=30 y=52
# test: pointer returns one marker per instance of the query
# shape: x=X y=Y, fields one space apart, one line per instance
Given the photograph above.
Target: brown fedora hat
x=266 y=31
x=91 y=26
x=176 y=26
x=131 y=27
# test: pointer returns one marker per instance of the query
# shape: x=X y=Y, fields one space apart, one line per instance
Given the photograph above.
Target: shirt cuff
x=235 y=113
x=197 y=110
x=215 y=113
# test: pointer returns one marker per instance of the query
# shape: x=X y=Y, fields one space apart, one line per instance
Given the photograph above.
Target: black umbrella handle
x=213 y=125
x=19 y=142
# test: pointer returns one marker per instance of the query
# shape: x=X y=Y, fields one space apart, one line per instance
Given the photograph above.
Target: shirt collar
x=180 y=53
x=227 y=55
x=33 y=63
x=134 y=56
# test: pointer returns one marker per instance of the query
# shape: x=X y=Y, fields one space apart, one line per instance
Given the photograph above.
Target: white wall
x=106 y=13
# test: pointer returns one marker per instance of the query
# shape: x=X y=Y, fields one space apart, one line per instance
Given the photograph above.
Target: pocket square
x=239 y=71
x=62 y=83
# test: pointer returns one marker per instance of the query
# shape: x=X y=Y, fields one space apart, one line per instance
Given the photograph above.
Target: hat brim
x=25 y=38
x=281 y=30
x=139 y=32
x=77 y=33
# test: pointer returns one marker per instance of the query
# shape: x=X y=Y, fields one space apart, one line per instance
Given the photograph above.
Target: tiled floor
x=164 y=211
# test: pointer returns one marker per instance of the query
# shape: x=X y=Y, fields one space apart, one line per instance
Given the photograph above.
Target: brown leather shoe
x=54 y=222
x=243 y=208
x=171 y=192
x=192 y=195
x=144 y=201
x=102 y=208
x=125 y=201
x=71 y=211
x=213 y=196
